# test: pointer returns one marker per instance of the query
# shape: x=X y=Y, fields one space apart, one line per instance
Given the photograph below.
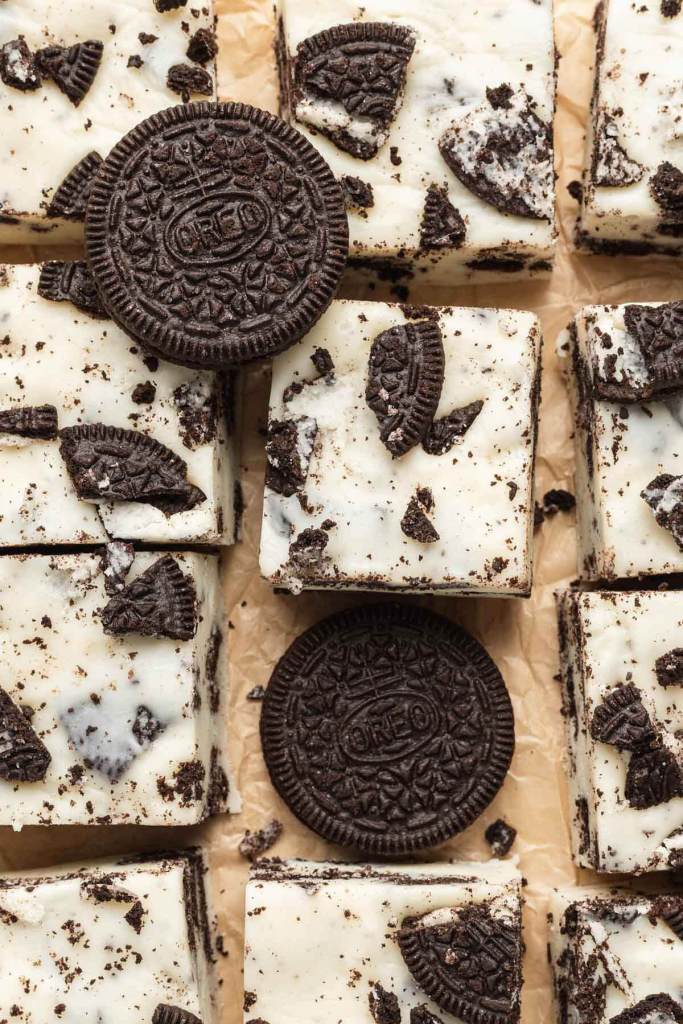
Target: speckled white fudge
x=622 y=364
x=633 y=175
x=617 y=957
x=427 y=489
x=89 y=372
x=126 y=941
x=113 y=689
x=409 y=104
x=46 y=134
x=425 y=943
x=622 y=673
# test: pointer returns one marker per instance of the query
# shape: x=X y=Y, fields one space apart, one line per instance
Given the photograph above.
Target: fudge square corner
x=400 y=452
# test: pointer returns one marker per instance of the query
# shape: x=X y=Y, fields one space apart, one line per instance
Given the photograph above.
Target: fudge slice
x=75 y=76
x=426 y=943
x=622 y=673
x=624 y=369
x=113 y=689
x=401 y=451
x=437 y=119
x=125 y=940
x=617 y=957
x=98 y=439
x=632 y=199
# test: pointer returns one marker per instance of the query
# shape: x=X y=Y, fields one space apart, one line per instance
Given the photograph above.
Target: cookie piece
x=202 y=46
x=39 y=422
x=70 y=282
x=503 y=153
x=654 y=777
x=442 y=225
x=358 y=69
x=165 y=1014
x=443 y=433
x=612 y=167
x=669 y=668
x=387 y=728
x=71 y=68
x=658 y=333
x=415 y=522
x=185 y=79
x=23 y=755
x=358 y=194
x=161 y=601
x=405 y=377
x=666 y=186
x=71 y=198
x=216 y=234
x=622 y=720
x=664 y=495
x=289 y=447
x=501 y=837
x=18 y=66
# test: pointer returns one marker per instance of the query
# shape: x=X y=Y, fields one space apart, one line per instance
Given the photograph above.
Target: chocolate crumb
x=500 y=836
x=185 y=79
x=144 y=394
x=135 y=61
x=384 y=1005
x=254 y=844
x=202 y=47
x=558 y=500
x=256 y=693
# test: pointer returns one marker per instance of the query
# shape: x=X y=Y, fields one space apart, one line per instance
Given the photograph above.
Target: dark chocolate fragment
x=23 y=755
x=659 y=1008
x=384 y=1005
x=161 y=601
x=186 y=79
x=500 y=836
x=471 y=966
x=165 y=1014
x=611 y=165
x=362 y=67
x=669 y=668
x=415 y=523
x=653 y=778
x=405 y=377
x=442 y=226
x=357 y=193
x=146 y=726
x=163 y=6
x=71 y=68
x=288 y=449
x=255 y=844
x=18 y=66
x=558 y=500
x=622 y=720
x=202 y=46
x=37 y=421
x=70 y=282
x=444 y=432
x=71 y=198
x=664 y=495
x=112 y=464
x=666 y=186
x=658 y=330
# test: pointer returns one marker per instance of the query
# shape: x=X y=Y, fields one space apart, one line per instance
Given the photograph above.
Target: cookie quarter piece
x=135 y=933
x=216 y=234
x=74 y=77
x=419 y=944
x=413 y=424
x=387 y=728
x=438 y=120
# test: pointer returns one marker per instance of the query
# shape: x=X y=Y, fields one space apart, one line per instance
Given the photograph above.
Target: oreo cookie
x=216 y=234
x=161 y=601
x=23 y=755
x=387 y=728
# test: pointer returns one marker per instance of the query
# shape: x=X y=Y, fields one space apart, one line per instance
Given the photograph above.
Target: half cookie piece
x=387 y=728
x=216 y=234
x=428 y=944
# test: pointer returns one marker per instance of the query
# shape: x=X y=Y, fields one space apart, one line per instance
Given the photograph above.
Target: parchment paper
x=520 y=635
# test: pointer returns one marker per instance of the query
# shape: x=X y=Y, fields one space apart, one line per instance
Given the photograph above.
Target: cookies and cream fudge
x=633 y=177
x=437 y=120
x=113 y=689
x=121 y=941
x=419 y=943
x=99 y=440
x=401 y=449
x=622 y=678
x=623 y=369
x=617 y=956
x=75 y=76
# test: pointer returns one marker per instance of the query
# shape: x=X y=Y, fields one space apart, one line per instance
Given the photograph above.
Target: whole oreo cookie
x=216 y=234
x=387 y=728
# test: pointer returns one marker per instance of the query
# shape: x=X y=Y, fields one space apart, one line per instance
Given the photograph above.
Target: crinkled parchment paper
x=520 y=635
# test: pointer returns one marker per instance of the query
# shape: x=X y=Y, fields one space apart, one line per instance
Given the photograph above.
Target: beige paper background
x=520 y=635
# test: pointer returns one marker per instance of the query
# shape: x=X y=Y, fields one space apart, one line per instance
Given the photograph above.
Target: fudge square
x=437 y=119
x=75 y=76
x=401 y=451
x=133 y=935
x=633 y=175
x=623 y=368
x=622 y=672
x=617 y=956
x=113 y=689
x=424 y=943
x=148 y=450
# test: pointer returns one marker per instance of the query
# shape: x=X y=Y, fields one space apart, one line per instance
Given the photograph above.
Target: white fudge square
x=380 y=102
x=108 y=941
x=125 y=728
x=622 y=669
x=45 y=135
x=628 y=412
x=53 y=354
x=454 y=513
x=634 y=161
x=617 y=956
x=378 y=926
